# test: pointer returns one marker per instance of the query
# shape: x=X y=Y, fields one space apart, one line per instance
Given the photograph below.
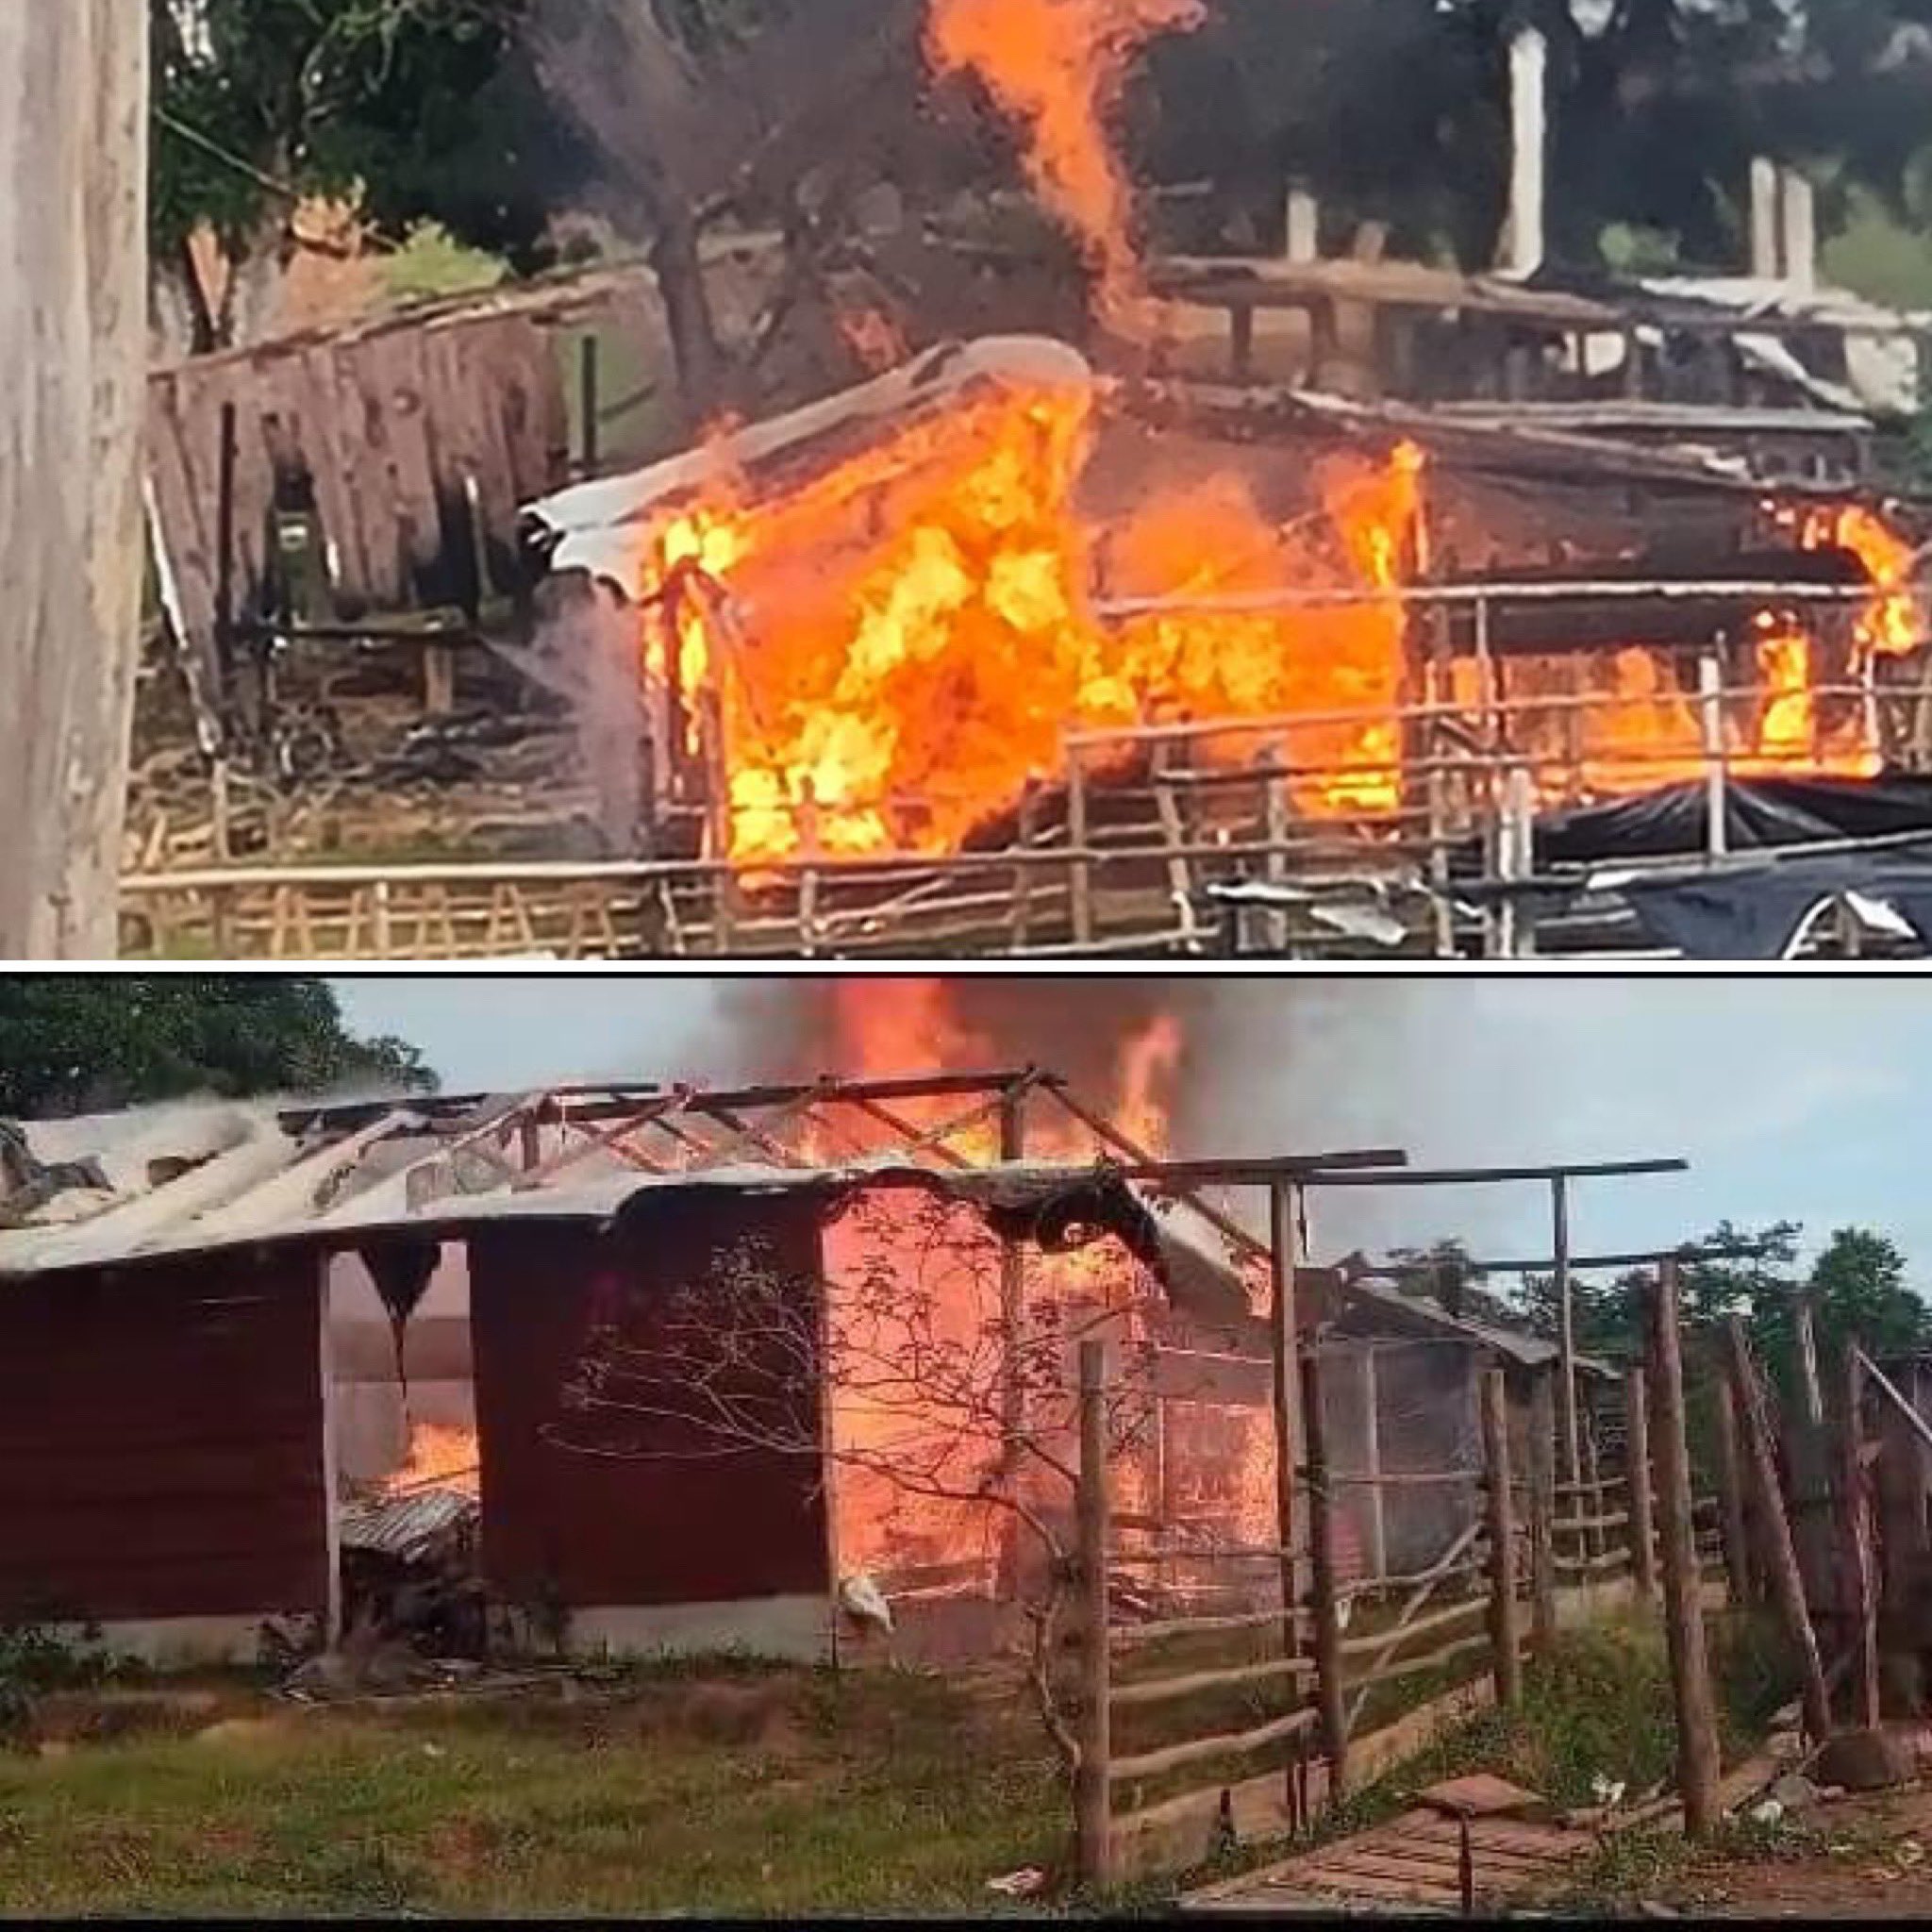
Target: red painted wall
x=654 y=1523
x=161 y=1442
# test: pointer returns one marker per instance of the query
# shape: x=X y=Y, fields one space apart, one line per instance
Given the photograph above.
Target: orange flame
x=917 y=630
x=949 y=1263
x=1059 y=66
x=441 y=1455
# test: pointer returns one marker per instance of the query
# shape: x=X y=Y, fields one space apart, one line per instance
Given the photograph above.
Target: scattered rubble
x=1025 y=1883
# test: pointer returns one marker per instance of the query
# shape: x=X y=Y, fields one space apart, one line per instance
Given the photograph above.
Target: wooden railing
x=1258 y=1744
x=1119 y=853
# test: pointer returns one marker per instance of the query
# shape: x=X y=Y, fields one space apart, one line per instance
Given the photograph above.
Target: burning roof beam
x=620 y=1099
x=595 y=526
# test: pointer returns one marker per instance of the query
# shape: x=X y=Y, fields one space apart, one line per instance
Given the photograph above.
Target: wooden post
x=1329 y=1696
x=1012 y=1285
x=1284 y=1252
x=1505 y=1640
x=1371 y=1463
x=1780 y=1553
x=1903 y=1477
x=1696 y=1709
x=1566 y=1331
x=1813 y=1484
x=1855 y=1523
x=1543 y=1512
x=1092 y=1777
x=73 y=342
x=1637 y=1463
x=1730 y=1484
x=1811 y=1391
x=438 y=679
x=1275 y=808
x=1080 y=877
x=1594 y=1540
x=590 y=404
x=1285 y=1257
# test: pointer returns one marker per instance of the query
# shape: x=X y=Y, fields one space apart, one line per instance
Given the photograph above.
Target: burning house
x=709 y=1363
x=1286 y=602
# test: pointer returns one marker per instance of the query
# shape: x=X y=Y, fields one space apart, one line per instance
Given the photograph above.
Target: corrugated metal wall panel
x=639 y=1528
x=161 y=1442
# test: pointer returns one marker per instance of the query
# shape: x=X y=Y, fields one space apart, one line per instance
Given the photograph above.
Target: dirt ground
x=1859 y=1857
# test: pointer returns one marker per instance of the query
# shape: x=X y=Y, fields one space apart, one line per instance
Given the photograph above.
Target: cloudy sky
x=1807 y=1098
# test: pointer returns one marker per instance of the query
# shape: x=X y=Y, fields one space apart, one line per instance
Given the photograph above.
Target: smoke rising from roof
x=1265 y=1067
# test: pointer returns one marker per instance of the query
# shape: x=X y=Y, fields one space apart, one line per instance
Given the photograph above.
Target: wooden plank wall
x=385 y=422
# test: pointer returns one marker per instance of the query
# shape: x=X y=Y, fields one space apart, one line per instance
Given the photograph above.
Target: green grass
x=760 y=1792
x=722 y=1786
x=1599 y=1703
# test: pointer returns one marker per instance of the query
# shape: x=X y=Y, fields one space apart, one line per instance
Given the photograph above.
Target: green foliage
x=429 y=107
x=71 y=1044
x=432 y=263
x=1398 y=111
x=35 y=1657
x=1858 y=1291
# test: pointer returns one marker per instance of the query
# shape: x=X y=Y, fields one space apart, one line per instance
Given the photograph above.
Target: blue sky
x=1807 y=1098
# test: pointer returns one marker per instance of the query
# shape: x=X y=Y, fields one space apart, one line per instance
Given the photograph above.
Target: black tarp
x=1742 y=911
x=1756 y=913
x=1759 y=812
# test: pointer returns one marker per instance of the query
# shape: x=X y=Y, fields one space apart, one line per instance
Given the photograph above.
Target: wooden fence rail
x=1279 y=1736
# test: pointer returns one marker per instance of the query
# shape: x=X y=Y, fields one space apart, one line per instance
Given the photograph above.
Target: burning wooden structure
x=730 y=1348
x=1148 y=637
x=577 y=1210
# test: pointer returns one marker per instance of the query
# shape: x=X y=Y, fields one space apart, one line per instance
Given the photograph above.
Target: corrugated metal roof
x=405 y=1526
x=1518 y=1345
x=254 y=1183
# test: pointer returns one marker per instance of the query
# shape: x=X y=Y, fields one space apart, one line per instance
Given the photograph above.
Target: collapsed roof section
x=204 y=1176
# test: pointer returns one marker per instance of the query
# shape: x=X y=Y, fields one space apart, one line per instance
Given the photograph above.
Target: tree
x=904 y=1339
x=417 y=109
x=1398 y=111
x=778 y=112
x=73 y=1043
x=74 y=78
x=1858 y=1293
x=1445 y=1272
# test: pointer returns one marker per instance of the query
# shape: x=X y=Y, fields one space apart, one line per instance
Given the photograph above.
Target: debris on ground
x=409 y=1566
x=1480 y=1795
x=1792 y=1791
x=1024 y=1883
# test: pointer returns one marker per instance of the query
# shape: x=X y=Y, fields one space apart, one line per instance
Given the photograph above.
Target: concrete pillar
x=1529 y=134
x=1767 y=244
x=1304 y=222
x=1800 y=234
